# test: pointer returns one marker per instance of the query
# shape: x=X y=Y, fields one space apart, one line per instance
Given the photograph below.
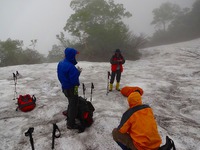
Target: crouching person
x=137 y=129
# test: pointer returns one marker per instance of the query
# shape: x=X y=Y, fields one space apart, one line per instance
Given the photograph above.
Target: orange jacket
x=127 y=90
x=140 y=125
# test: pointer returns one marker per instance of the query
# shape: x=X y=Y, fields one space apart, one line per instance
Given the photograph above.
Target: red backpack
x=26 y=102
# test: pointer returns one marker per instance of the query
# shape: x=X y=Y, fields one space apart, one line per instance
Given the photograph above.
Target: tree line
x=97 y=29
x=174 y=24
x=12 y=53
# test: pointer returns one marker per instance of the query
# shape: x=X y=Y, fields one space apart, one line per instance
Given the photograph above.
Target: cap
x=117 y=51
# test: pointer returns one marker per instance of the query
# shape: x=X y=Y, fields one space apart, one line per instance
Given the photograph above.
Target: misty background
x=38 y=24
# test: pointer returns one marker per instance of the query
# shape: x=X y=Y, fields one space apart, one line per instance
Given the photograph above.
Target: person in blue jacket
x=68 y=75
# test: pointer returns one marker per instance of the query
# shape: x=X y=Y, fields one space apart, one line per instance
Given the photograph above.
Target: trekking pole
x=17 y=73
x=108 y=82
x=84 y=88
x=15 y=82
x=29 y=133
x=92 y=87
x=54 y=135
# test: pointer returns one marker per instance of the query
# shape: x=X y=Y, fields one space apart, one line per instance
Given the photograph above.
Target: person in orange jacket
x=137 y=129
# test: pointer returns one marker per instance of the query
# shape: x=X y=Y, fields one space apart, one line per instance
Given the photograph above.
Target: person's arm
x=74 y=76
x=123 y=60
x=124 y=125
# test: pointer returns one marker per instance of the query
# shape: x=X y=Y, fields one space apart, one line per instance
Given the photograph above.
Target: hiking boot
x=64 y=113
x=78 y=127
x=73 y=127
x=111 y=86
x=117 y=86
x=81 y=129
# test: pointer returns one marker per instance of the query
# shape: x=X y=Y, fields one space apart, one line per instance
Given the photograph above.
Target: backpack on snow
x=26 y=103
x=169 y=145
x=85 y=112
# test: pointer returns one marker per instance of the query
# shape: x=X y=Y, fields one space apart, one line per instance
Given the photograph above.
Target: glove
x=75 y=90
x=79 y=69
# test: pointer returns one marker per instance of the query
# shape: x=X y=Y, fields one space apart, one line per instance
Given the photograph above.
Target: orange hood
x=134 y=99
x=127 y=90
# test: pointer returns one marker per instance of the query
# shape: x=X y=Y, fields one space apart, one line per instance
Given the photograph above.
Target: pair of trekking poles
x=91 y=92
x=15 y=75
x=55 y=134
x=56 y=131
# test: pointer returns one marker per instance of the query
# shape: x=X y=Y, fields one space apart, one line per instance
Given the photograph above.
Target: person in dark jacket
x=117 y=60
x=68 y=75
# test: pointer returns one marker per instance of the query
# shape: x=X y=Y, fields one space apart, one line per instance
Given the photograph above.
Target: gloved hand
x=79 y=69
x=76 y=90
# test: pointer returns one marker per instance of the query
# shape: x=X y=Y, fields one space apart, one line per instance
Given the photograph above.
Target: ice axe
x=108 y=82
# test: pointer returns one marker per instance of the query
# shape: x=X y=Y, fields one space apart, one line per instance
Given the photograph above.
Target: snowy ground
x=169 y=76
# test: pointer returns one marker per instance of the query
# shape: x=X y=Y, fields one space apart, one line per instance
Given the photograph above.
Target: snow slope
x=168 y=74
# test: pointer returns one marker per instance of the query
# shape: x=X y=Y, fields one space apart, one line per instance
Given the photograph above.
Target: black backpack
x=169 y=145
x=85 y=112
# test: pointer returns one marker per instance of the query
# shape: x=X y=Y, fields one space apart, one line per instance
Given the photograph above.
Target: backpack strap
x=34 y=98
x=139 y=107
x=131 y=111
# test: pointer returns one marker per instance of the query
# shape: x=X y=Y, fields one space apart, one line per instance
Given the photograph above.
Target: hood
x=134 y=99
x=127 y=90
x=117 y=53
x=70 y=54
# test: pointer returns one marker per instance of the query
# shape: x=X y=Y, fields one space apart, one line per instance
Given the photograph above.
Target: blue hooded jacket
x=68 y=74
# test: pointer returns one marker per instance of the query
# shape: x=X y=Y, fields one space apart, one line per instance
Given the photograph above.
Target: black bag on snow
x=85 y=112
x=169 y=145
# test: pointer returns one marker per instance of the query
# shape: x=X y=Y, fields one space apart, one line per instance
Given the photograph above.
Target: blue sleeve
x=74 y=76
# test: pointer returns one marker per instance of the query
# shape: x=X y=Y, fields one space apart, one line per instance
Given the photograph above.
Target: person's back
x=140 y=125
x=143 y=130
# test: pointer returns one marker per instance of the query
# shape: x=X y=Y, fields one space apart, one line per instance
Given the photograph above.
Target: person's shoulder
x=64 y=63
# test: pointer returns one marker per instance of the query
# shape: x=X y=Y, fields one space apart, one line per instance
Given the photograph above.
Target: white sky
x=43 y=19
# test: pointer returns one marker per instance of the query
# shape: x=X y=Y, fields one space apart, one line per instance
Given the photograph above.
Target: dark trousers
x=117 y=74
x=123 y=146
x=72 y=109
x=123 y=140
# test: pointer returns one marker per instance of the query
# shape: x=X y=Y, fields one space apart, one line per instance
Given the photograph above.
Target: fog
x=42 y=20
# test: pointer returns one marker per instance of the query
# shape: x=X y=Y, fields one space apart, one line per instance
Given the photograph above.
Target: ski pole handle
x=29 y=133
x=54 y=135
